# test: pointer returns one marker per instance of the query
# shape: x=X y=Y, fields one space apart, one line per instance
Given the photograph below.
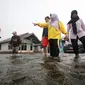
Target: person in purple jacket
x=76 y=30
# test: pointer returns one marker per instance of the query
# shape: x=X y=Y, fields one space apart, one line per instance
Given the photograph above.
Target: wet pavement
x=33 y=69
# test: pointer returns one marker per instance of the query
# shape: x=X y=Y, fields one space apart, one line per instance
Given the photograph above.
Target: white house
x=29 y=42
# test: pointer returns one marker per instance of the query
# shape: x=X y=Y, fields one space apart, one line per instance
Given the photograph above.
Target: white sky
x=18 y=15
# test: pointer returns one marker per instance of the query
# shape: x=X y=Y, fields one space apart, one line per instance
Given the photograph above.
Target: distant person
x=55 y=27
x=15 y=43
x=45 y=37
x=76 y=30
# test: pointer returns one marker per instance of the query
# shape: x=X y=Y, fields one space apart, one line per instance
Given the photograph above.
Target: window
x=0 y=47
x=31 y=47
x=23 y=47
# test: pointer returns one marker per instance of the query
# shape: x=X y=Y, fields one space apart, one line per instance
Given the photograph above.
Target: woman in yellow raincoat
x=55 y=28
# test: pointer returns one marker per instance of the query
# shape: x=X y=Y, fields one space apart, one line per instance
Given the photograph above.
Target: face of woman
x=74 y=15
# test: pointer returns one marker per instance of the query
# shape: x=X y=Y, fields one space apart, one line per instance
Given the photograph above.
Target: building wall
x=26 y=41
x=28 y=46
x=29 y=42
x=4 y=47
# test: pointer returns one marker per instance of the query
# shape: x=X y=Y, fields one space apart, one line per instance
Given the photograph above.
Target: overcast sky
x=18 y=15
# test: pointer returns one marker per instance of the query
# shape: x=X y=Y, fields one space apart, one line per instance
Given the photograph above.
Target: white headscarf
x=54 y=21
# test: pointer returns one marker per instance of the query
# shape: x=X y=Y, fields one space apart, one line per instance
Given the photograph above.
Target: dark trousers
x=15 y=50
x=75 y=44
x=54 y=49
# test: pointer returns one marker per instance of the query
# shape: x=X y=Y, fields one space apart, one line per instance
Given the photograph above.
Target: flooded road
x=33 y=69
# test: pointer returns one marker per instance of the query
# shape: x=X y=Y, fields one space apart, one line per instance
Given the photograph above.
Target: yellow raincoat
x=53 y=33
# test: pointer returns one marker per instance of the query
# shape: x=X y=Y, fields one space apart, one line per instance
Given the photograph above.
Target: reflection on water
x=33 y=70
x=15 y=59
x=77 y=70
x=54 y=76
x=16 y=71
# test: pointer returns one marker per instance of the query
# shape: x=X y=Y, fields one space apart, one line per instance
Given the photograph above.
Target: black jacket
x=15 y=41
x=45 y=32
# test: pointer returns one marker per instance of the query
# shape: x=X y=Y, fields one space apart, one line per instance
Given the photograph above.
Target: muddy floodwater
x=33 y=69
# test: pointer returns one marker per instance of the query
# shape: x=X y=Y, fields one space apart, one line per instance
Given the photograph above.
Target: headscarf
x=54 y=21
x=73 y=21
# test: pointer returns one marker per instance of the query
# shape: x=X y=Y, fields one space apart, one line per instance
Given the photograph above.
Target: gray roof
x=30 y=36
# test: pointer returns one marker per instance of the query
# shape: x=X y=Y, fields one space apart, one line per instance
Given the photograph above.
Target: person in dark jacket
x=45 y=37
x=15 y=43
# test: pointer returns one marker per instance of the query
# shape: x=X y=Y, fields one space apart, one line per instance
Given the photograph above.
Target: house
x=29 y=43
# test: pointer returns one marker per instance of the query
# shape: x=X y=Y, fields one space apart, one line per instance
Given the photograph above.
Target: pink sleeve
x=82 y=25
